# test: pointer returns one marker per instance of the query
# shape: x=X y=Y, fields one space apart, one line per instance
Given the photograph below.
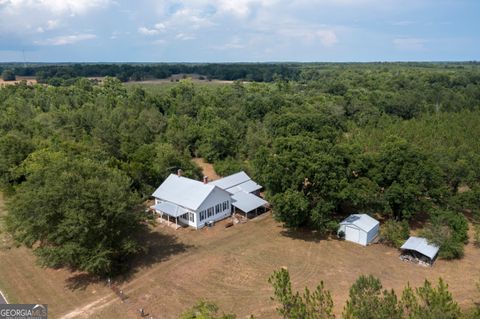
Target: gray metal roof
x=231 y=180
x=247 y=202
x=362 y=221
x=170 y=209
x=248 y=187
x=422 y=246
x=183 y=191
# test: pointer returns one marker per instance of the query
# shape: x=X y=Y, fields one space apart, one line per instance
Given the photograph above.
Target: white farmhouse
x=196 y=203
x=360 y=228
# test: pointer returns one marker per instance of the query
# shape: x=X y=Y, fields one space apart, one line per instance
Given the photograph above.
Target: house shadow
x=304 y=234
x=158 y=247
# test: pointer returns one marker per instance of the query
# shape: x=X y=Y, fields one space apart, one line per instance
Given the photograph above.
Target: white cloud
x=147 y=31
x=52 y=24
x=308 y=34
x=66 y=39
x=183 y=36
x=327 y=37
x=60 y=7
x=27 y=17
x=409 y=44
x=234 y=43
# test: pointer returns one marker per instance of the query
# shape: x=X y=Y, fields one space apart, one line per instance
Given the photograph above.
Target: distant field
x=227 y=266
x=29 y=79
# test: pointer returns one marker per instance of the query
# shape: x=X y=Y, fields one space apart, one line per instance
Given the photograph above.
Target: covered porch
x=248 y=203
x=169 y=214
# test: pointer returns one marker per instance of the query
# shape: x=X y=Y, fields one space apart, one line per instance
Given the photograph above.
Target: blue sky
x=239 y=30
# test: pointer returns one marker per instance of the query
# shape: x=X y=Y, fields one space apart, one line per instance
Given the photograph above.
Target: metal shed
x=419 y=245
x=360 y=228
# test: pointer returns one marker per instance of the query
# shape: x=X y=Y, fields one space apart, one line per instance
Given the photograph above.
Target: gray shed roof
x=183 y=191
x=231 y=180
x=422 y=246
x=362 y=221
x=247 y=202
x=170 y=209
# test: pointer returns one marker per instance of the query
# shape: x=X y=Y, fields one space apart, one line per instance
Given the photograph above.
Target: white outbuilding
x=360 y=228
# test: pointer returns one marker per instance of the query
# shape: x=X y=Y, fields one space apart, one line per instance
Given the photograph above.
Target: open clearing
x=29 y=79
x=228 y=266
x=231 y=267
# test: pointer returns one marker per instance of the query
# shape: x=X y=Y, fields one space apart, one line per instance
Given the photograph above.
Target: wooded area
x=398 y=140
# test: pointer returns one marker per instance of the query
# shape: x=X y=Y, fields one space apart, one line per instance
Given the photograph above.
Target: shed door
x=352 y=234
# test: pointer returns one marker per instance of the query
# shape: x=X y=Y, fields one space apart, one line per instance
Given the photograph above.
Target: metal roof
x=247 y=202
x=183 y=191
x=248 y=187
x=362 y=221
x=422 y=246
x=170 y=209
x=231 y=180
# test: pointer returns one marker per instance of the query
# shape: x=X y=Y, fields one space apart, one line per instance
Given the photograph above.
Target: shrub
x=394 y=233
x=8 y=75
x=449 y=231
x=293 y=305
x=205 y=310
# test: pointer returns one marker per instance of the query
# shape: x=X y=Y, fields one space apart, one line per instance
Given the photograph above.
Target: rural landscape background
x=335 y=107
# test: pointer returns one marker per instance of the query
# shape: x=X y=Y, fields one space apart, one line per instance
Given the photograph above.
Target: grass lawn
x=229 y=266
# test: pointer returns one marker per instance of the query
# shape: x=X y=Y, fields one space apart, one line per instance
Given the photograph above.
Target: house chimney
x=205 y=179
x=179 y=172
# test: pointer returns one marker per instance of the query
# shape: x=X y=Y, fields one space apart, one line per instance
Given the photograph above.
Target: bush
x=205 y=310
x=394 y=233
x=449 y=231
x=8 y=75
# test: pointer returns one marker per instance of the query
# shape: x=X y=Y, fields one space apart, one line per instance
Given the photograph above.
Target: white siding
x=352 y=234
x=217 y=196
x=363 y=238
x=372 y=234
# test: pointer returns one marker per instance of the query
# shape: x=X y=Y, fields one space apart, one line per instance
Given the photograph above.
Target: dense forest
x=400 y=141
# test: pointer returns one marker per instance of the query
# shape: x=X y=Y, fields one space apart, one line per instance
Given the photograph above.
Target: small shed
x=360 y=228
x=418 y=250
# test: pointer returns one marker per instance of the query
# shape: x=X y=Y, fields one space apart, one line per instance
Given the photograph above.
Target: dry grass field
x=228 y=266
x=29 y=79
